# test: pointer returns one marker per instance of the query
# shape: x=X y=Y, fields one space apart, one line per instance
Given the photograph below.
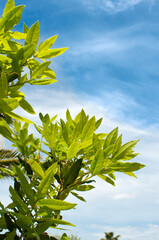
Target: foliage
x=22 y=61
x=68 y=154
x=110 y=236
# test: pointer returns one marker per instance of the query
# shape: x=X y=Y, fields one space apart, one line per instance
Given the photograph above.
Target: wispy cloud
x=114 y=6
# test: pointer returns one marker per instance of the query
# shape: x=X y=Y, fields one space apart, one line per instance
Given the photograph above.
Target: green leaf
x=126 y=167
x=106 y=179
x=88 y=129
x=47 y=43
x=98 y=123
x=97 y=163
x=26 y=106
x=17 y=35
x=62 y=222
x=11 y=235
x=68 y=117
x=9 y=5
x=83 y=188
x=51 y=53
x=38 y=71
x=96 y=142
x=123 y=150
x=23 y=208
x=36 y=168
x=11 y=18
x=55 y=204
x=33 y=34
x=46 y=181
x=25 y=28
x=3 y=85
x=64 y=237
x=73 y=149
x=42 y=81
x=4 y=59
x=111 y=138
x=7 y=171
x=77 y=196
x=22 y=221
x=25 y=52
x=3 y=223
x=64 y=131
x=42 y=227
x=17 y=117
x=25 y=185
x=72 y=173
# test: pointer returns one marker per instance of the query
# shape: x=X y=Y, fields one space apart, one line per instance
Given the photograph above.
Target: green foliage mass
x=68 y=154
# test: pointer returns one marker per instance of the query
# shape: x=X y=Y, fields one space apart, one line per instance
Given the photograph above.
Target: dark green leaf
x=72 y=173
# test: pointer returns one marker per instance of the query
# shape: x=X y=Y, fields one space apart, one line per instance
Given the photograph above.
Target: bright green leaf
x=47 y=44
x=111 y=138
x=55 y=204
x=51 y=53
x=36 y=168
x=33 y=34
x=42 y=81
x=97 y=163
x=26 y=106
x=46 y=181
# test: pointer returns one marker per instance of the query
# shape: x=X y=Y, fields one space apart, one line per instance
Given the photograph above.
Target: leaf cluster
x=22 y=61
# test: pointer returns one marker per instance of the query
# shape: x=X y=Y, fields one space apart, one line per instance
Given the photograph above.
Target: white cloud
x=146 y=232
x=114 y=6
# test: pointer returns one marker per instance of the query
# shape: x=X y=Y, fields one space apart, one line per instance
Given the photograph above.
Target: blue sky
x=110 y=70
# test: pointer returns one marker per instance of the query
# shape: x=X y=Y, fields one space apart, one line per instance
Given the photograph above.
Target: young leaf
x=55 y=204
x=38 y=71
x=77 y=196
x=25 y=28
x=106 y=179
x=17 y=117
x=51 y=53
x=36 y=168
x=26 y=106
x=123 y=150
x=42 y=81
x=68 y=117
x=73 y=149
x=62 y=222
x=64 y=237
x=126 y=167
x=11 y=18
x=64 y=131
x=98 y=123
x=111 y=138
x=46 y=181
x=25 y=52
x=97 y=163
x=9 y=5
x=88 y=129
x=33 y=34
x=47 y=43
x=83 y=188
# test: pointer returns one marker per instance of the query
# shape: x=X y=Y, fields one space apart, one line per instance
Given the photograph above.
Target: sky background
x=111 y=70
